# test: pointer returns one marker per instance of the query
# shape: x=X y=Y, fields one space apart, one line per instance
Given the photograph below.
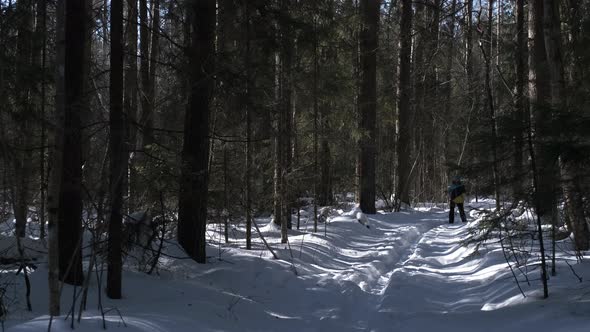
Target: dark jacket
x=456 y=191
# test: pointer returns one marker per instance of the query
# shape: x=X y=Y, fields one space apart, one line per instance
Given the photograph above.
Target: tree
x=542 y=162
x=568 y=160
x=24 y=107
x=490 y=101
x=368 y=102
x=192 y=205
x=520 y=101
x=118 y=152
x=248 y=172
x=57 y=146
x=283 y=128
x=404 y=140
x=70 y=205
x=131 y=89
x=146 y=83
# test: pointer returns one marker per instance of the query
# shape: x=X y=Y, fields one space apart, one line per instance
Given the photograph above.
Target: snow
x=411 y=271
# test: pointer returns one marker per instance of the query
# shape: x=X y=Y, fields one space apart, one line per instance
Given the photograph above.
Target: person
x=456 y=196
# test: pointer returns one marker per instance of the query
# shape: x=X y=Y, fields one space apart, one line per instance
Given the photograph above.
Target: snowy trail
x=410 y=271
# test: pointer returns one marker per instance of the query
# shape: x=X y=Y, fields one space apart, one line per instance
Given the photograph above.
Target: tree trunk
x=568 y=165
x=542 y=161
x=539 y=97
x=325 y=192
x=418 y=82
x=118 y=152
x=247 y=101
x=491 y=106
x=146 y=110
x=41 y=41
x=54 y=185
x=151 y=86
x=70 y=207
x=315 y=92
x=23 y=85
x=283 y=121
x=192 y=209
x=131 y=97
x=430 y=155
x=368 y=102
x=449 y=91
x=520 y=101
x=404 y=146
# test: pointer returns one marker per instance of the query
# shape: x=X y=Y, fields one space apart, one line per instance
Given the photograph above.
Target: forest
x=137 y=134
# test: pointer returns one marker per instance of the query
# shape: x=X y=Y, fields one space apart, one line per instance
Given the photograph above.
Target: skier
x=456 y=191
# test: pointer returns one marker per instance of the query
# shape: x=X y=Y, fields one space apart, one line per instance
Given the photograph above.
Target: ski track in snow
x=411 y=271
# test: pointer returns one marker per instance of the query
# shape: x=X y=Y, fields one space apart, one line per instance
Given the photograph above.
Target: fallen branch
x=264 y=240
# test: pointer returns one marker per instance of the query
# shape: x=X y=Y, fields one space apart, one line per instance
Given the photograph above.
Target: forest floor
x=410 y=271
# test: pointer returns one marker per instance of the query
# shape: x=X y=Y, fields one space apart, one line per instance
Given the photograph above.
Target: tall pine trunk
x=431 y=90
x=57 y=146
x=315 y=92
x=449 y=90
x=540 y=105
x=404 y=146
x=192 y=205
x=491 y=105
x=118 y=158
x=41 y=54
x=568 y=164
x=144 y=45
x=542 y=163
x=247 y=102
x=70 y=206
x=520 y=101
x=23 y=84
x=151 y=86
x=130 y=99
x=368 y=103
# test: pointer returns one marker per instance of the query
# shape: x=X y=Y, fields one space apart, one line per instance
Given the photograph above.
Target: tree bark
x=368 y=103
x=130 y=100
x=449 y=90
x=23 y=84
x=542 y=159
x=404 y=146
x=118 y=158
x=315 y=92
x=491 y=105
x=248 y=173
x=70 y=207
x=146 y=110
x=192 y=213
x=151 y=86
x=41 y=56
x=568 y=164
x=54 y=185
x=430 y=155
x=283 y=120
x=520 y=100
x=540 y=106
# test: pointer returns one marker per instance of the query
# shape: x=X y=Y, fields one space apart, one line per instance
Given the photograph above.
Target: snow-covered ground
x=410 y=271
